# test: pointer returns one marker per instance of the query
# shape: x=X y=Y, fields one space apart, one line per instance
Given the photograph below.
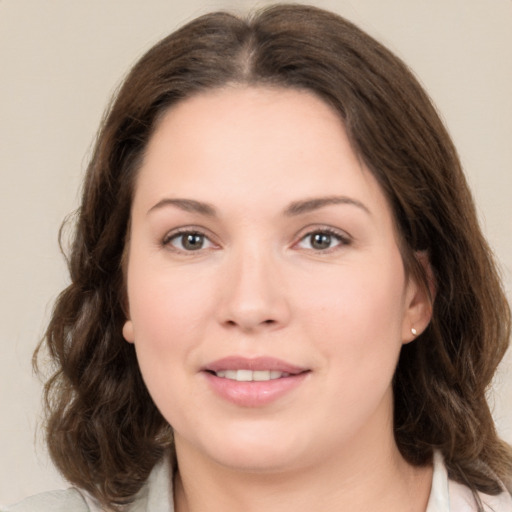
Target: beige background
x=61 y=59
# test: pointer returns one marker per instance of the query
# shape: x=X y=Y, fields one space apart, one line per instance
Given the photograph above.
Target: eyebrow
x=309 y=205
x=188 y=205
x=293 y=209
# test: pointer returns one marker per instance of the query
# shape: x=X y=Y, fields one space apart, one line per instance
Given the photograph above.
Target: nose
x=254 y=297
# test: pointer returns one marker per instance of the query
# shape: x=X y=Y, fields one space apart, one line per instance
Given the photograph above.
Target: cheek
x=356 y=314
x=168 y=325
x=166 y=305
x=356 y=296
x=168 y=315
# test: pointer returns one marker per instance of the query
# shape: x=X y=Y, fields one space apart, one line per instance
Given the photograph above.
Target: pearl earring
x=414 y=331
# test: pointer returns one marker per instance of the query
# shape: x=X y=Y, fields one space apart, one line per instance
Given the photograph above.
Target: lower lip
x=254 y=393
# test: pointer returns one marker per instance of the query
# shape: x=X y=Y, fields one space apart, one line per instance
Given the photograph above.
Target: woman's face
x=267 y=296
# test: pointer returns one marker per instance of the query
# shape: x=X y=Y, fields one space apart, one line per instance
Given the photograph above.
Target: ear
x=128 y=331
x=419 y=301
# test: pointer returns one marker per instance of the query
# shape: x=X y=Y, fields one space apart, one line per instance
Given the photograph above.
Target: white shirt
x=156 y=496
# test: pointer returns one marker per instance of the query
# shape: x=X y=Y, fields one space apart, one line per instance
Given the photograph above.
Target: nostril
x=234 y=323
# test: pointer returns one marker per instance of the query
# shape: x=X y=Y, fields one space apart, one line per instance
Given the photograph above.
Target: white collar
x=450 y=496
x=439 y=500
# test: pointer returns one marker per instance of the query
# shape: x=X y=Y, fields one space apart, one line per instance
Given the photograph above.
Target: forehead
x=253 y=144
x=250 y=117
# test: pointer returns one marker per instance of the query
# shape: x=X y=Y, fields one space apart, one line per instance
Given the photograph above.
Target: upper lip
x=254 y=364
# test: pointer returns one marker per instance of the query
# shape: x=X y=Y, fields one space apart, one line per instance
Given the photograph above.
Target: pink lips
x=253 y=393
x=258 y=363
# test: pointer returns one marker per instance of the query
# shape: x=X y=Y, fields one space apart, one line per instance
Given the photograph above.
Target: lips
x=253 y=382
x=251 y=375
x=253 y=364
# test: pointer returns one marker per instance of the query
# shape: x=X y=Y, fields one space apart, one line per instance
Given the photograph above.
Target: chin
x=256 y=450
x=258 y=461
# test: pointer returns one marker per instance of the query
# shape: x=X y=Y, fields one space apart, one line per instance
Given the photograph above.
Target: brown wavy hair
x=103 y=430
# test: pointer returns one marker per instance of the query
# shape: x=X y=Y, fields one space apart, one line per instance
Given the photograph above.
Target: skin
x=257 y=285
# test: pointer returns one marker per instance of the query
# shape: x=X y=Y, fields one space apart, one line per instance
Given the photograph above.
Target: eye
x=188 y=241
x=322 y=240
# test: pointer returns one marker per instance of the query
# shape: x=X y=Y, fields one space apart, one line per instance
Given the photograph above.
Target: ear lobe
x=419 y=301
x=128 y=331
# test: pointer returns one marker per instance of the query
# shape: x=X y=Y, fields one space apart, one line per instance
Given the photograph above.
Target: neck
x=377 y=480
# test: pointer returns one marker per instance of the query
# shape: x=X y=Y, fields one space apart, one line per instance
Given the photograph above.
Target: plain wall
x=60 y=60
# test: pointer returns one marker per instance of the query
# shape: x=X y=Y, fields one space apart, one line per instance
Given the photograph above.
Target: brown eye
x=322 y=240
x=189 y=241
x=192 y=241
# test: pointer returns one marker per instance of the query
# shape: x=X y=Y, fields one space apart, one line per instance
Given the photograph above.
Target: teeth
x=243 y=375
x=261 y=375
x=250 y=375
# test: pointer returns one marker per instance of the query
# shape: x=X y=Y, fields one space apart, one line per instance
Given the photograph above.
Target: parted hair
x=104 y=432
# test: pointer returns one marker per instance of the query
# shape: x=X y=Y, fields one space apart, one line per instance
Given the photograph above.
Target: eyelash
x=181 y=234
x=341 y=239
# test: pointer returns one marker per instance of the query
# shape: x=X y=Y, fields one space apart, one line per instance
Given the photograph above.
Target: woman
x=280 y=295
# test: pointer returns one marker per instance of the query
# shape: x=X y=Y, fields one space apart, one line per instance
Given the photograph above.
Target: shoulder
x=155 y=495
x=462 y=500
x=70 y=500
x=449 y=496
